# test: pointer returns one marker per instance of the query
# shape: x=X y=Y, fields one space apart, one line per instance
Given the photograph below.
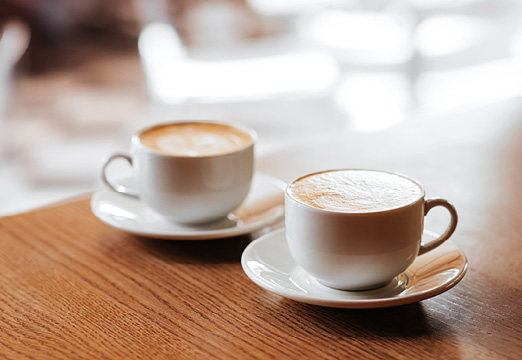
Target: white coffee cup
x=356 y=229
x=191 y=171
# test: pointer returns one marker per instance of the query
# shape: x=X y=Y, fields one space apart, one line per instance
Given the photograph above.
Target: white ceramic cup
x=360 y=250
x=188 y=189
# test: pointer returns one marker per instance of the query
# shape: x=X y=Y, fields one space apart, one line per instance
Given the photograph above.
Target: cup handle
x=117 y=187
x=428 y=205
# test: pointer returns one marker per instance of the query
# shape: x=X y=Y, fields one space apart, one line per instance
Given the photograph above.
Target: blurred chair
x=14 y=39
x=284 y=91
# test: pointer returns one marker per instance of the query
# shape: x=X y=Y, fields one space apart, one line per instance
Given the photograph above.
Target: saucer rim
x=214 y=234
x=348 y=303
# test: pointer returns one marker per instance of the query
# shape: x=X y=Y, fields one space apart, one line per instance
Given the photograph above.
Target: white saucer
x=263 y=206
x=268 y=262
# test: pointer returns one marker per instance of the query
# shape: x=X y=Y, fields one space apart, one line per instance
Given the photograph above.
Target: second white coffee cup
x=356 y=229
x=190 y=172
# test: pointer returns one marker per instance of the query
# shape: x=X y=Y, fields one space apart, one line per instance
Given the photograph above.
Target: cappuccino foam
x=354 y=190
x=195 y=139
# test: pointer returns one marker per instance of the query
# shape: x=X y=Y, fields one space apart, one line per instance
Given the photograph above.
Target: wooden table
x=72 y=287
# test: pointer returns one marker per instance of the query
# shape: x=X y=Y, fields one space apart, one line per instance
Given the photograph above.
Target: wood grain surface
x=72 y=287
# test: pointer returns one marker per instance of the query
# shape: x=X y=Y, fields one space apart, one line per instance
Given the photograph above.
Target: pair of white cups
x=343 y=250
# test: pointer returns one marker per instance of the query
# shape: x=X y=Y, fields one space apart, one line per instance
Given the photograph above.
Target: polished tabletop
x=73 y=287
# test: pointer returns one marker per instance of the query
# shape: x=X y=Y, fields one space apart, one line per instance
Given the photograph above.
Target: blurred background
x=77 y=78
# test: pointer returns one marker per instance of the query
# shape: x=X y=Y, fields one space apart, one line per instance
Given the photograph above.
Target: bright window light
x=364 y=37
x=515 y=46
x=291 y=7
x=445 y=35
x=471 y=85
x=374 y=101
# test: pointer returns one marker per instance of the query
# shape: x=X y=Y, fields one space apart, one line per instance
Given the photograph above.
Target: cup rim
x=135 y=139
x=352 y=212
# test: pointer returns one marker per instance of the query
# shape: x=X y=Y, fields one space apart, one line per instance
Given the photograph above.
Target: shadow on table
x=400 y=321
x=214 y=251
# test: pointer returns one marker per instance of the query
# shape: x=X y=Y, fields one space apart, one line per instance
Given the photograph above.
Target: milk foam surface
x=195 y=139
x=354 y=190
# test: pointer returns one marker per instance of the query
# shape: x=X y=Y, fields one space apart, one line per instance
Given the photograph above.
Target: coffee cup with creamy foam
x=189 y=171
x=356 y=229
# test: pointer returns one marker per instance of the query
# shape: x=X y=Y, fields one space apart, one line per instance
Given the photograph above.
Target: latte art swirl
x=354 y=190
x=195 y=139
